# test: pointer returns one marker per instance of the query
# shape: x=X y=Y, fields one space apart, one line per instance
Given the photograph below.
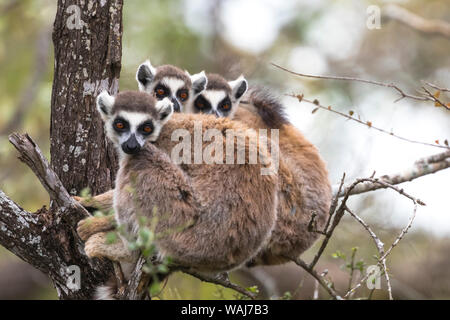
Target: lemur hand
x=92 y=225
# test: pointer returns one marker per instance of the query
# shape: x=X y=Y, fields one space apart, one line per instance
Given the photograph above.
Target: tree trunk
x=88 y=52
x=87 y=37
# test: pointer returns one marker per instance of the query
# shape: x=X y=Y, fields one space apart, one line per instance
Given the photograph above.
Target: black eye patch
x=183 y=94
x=146 y=128
x=161 y=91
x=201 y=104
x=121 y=125
x=225 y=105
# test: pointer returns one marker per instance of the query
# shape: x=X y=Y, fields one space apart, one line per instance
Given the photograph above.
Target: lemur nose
x=176 y=105
x=131 y=146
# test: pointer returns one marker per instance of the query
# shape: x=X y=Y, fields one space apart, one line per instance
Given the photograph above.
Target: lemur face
x=220 y=98
x=170 y=82
x=131 y=118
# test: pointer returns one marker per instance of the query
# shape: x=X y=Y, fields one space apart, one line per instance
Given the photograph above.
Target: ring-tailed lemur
x=209 y=217
x=304 y=185
x=168 y=81
x=220 y=97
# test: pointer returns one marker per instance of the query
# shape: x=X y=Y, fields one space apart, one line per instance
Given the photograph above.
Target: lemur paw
x=81 y=200
x=84 y=228
x=94 y=246
x=97 y=246
x=92 y=225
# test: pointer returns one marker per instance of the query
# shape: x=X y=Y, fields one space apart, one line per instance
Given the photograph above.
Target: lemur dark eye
x=120 y=125
x=146 y=128
x=225 y=105
x=161 y=92
x=202 y=104
x=183 y=95
x=199 y=104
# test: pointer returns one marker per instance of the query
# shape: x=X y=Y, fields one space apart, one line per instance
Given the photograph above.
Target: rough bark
x=87 y=38
x=87 y=61
x=47 y=239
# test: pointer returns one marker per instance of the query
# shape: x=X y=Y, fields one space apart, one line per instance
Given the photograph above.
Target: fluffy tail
x=267 y=105
x=106 y=291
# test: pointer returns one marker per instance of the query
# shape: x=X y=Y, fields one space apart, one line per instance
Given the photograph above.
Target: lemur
x=168 y=81
x=212 y=218
x=304 y=185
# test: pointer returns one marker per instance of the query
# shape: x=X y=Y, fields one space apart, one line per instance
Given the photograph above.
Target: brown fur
x=304 y=188
x=267 y=106
x=217 y=82
x=133 y=101
x=213 y=217
x=92 y=225
x=170 y=71
x=226 y=212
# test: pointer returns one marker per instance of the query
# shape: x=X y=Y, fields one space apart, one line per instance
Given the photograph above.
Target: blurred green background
x=233 y=37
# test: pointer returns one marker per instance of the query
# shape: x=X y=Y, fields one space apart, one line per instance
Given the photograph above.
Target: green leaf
x=163 y=268
x=154 y=289
x=111 y=237
x=253 y=289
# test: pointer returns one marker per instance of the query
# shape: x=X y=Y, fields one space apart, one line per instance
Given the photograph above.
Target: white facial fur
x=145 y=75
x=135 y=119
x=105 y=103
x=173 y=84
x=215 y=97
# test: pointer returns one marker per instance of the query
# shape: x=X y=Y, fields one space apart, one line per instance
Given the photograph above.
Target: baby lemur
x=209 y=217
x=304 y=186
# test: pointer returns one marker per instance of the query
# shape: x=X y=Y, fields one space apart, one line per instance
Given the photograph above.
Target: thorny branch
x=220 y=279
x=366 y=123
x=337 y=212
x=424 y=97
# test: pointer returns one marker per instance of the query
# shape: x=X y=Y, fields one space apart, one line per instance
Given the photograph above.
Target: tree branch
x=425 y=96
x=32 y=156
x=48 y=240
x=365 y=123
x=417 y=22
x=420 y=168
x=221 y=279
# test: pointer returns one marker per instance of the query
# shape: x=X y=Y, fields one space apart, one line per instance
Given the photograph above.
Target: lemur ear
x=105 y=103
x=164 y=109
x=238 y=87
x=145 y=74
x=199 y=81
